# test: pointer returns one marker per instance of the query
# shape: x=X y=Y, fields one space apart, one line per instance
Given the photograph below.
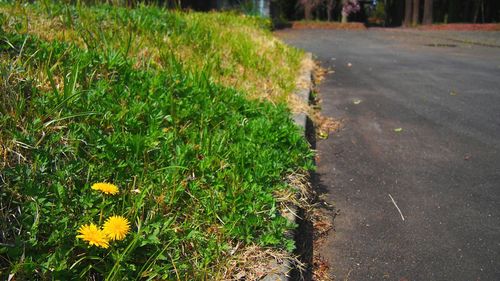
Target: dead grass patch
x=462 y=27
x=254 y=262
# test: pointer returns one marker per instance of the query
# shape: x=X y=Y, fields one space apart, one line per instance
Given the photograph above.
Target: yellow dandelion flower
x=116 y=227
x=95 y=236
x=106 y=188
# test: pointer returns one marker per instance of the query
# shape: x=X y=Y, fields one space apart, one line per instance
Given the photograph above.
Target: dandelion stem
x=102 y=209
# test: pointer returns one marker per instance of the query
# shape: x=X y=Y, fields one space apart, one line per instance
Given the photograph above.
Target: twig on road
x=394 y=202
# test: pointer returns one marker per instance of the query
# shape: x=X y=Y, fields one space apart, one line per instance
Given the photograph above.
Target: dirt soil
x=462 y=27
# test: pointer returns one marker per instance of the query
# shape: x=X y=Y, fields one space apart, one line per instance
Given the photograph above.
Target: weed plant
x=196 y=162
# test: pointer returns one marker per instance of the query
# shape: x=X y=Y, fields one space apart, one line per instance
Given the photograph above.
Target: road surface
x=421 y=120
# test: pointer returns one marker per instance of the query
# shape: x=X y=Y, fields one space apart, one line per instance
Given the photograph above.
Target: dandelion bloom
x=106 y=188
x=92 y=234
x=116 y=227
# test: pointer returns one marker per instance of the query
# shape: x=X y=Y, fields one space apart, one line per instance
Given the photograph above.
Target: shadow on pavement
x=305 y=235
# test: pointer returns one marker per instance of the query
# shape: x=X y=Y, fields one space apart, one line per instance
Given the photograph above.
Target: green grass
x=151 y=108
x=236 y=50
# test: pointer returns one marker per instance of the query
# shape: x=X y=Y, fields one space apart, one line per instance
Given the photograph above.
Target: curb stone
x=303 y=92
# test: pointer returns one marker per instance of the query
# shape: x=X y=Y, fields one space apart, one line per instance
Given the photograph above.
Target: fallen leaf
x=398 y=130
x=452 y=93
x=357 y=101
x=323 y=135
x=240 y=275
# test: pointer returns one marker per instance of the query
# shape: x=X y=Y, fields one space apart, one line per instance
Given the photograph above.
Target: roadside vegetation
x=141 y=143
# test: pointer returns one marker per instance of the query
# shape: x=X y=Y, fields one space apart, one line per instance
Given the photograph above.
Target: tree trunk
x=308 y=11
x=467 y=14
x=453 y=11
x=416 y=12
x=428 y=7
x=330 y=5
x=395 y=13
x=344 y=17
x=476 y=11
x=482 y=11
x=408 y=7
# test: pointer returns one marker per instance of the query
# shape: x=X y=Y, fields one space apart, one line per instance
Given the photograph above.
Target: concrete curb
x=303 y=92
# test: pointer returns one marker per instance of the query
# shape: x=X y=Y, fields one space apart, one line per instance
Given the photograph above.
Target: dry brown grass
x=253 y=262
x=462 y=27
x=323 y=124
x=321 y=269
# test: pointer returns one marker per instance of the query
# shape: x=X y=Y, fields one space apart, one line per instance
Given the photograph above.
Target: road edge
x=303 y=92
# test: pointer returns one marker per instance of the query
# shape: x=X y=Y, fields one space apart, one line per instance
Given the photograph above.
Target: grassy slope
x=236 y=50
x=140 y=99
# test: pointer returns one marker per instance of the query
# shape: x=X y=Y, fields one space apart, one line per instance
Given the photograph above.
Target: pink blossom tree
x=348 y=8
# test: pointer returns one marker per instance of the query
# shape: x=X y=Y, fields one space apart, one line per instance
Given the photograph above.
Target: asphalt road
x=442 y=167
